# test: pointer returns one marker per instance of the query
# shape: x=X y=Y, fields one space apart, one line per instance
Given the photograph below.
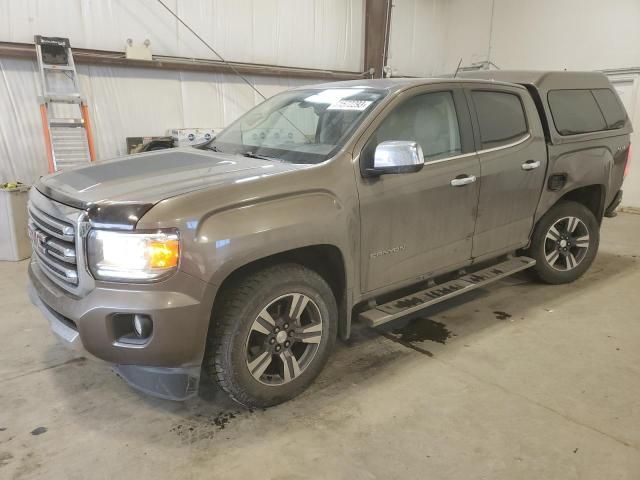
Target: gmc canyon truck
x=245 y=259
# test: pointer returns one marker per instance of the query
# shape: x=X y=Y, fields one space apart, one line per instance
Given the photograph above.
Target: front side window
x=299 y=126
x=501 y=117
x=429 y=119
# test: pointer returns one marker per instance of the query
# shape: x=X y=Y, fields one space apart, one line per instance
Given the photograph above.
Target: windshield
x=299 y=126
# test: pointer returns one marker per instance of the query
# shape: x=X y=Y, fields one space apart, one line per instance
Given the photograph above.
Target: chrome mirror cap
x=400 y=156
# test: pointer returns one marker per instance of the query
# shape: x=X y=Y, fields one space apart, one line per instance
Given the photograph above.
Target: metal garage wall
x=135 y=102
x=417 y=36
x=123 y=102
x=325 y=34
x=627 y=84
x=430 y=37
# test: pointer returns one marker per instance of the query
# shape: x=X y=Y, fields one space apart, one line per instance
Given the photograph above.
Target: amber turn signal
x=163 y=254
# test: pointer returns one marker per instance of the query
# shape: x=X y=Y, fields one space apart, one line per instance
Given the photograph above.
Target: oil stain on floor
x=200 y=426
x=502 y=315
x=422 y=329
x=418 y=331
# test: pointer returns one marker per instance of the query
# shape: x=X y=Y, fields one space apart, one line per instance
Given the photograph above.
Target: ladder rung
x=80 y=150
x=63 y=98
x=58 y=67
x=74 y=159
x=73 y=153
x=76 y=133
x=67 y=161
x=65 y=122
x=66 y=131
x=68 y=141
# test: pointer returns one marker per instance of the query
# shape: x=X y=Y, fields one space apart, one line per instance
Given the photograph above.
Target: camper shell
x=541 y=84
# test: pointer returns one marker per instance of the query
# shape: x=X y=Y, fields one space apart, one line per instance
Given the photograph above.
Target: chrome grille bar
x=53 y=243
x=57 y=268
x=61 y=250
x=50 y=225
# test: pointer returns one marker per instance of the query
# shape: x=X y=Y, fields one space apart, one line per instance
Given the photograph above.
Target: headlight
x=130 y=256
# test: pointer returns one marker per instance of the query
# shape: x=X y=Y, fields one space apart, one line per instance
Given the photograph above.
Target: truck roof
x=537 y=82
x=394 y=84
x=543 y=80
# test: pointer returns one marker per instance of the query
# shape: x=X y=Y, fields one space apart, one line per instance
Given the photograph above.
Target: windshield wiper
x=208 y=146
x=254 y=155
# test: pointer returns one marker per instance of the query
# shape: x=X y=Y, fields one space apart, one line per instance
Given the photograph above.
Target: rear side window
x=501 y=117
x=575 y=111
x=585 y=111
x=613 y=111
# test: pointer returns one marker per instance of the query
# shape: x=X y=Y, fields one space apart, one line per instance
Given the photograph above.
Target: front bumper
x=168 y=364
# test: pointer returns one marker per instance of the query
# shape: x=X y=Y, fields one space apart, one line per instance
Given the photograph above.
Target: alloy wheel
x=283 y=339
x=566 y=243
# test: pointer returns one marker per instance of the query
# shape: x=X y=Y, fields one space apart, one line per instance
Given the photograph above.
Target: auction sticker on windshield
x=358 y=105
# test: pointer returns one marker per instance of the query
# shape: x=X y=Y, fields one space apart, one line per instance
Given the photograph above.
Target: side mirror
x=396 y=157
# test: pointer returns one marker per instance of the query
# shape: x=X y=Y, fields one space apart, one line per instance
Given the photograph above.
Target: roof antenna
x=457 y=68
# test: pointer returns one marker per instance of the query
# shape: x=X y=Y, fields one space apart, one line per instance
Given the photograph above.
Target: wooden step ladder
x=68 y=140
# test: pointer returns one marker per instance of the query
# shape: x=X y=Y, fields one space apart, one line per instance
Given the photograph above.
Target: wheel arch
x=591 y=196
x=325 y=259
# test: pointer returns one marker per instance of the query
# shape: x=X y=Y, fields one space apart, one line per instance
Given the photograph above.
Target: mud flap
x=169 y=383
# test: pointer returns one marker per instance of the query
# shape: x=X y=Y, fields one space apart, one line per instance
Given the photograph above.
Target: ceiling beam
x=118 y=59
x=376 y=35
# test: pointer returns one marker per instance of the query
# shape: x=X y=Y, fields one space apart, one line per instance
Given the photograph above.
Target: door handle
x=461 y=181
x=531 y=164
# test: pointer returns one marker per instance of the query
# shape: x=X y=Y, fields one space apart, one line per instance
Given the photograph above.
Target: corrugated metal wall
x=303 y=33
x=430 y=36
x=123 y=102
x=137 y=102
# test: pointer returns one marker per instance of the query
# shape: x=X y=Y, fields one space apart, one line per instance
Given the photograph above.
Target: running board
x=425 y=298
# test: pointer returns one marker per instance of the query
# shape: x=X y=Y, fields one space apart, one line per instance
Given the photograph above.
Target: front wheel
x=273 y=333
x=564 y=242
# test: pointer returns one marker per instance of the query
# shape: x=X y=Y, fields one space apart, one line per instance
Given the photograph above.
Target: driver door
x=415 y=225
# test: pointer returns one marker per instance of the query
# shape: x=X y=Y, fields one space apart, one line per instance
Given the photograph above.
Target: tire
x=563 y=255
x=244 y=338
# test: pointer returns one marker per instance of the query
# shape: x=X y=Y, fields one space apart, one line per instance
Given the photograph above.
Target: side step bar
x=417 y=301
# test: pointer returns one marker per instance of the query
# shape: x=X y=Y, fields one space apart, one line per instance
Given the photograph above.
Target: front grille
x=53 y=242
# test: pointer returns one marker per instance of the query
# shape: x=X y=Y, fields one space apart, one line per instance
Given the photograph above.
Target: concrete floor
x=518 y=381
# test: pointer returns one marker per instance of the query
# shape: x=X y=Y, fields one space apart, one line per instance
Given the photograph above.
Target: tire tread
x=563 y=208
x=232 y=301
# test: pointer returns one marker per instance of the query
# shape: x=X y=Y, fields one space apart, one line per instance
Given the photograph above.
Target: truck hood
x=148 y=178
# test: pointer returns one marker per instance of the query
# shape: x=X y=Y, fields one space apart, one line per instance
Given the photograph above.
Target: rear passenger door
x=513 y=159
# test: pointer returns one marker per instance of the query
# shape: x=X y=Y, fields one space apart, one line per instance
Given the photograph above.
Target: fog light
x=142 y=325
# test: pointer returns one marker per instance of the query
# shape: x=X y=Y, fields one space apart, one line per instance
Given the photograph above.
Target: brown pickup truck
x=247 y=257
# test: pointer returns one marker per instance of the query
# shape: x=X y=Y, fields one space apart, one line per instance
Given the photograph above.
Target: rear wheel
x=565 y=242
x=273 y=333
